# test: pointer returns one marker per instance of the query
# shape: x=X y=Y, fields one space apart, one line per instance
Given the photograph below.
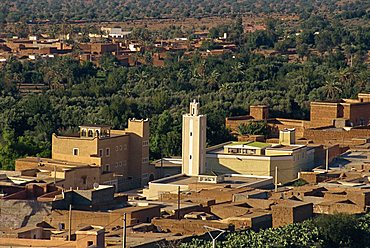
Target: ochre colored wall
x=62 y=149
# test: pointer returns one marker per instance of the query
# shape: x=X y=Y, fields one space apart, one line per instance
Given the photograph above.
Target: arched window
x=90 y=133
x=97 y=133
x=83 y=133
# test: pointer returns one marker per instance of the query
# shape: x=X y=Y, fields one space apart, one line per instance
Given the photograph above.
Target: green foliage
x=338 y=230
x=342 y=230
x=253 y=128
x=34 y=10
x=225 y=85
x=295 y=235
x=299 y=182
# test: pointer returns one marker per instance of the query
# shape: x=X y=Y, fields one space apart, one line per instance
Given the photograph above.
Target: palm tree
x=213 y=78
x=332 y=89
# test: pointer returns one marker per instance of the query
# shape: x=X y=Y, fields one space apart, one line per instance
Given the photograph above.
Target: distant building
x=345 y=122
x=114 y=32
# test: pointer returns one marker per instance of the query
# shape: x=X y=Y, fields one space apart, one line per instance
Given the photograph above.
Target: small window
x=107 y=152
x=89 y=243
x=120 y=163
x=84 y=179
x=120 y=147
x=100 y=152
x=107 y=167
x=191 y=134
x=116 y=164
x=125 y=147
x=116 y=148
x=190 y=157
x=75 y=151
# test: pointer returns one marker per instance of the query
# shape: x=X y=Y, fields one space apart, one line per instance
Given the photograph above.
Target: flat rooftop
x=252 y=144
x=45 y=162
x=285 y=147
x=233 y=181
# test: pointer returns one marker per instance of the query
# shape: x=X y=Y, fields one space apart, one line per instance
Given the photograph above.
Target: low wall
x=339 y=136
x=186 y=226
x=9 y=242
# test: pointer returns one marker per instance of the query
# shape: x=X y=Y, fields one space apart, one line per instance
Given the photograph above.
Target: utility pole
x=178 y=202
x=327 y=160
x=55 y=175
x=276 y=179
x=209 y=229
x=69 y=222
x=124 y=231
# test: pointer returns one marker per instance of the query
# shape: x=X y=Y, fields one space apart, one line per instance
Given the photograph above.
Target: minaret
x=193 y=141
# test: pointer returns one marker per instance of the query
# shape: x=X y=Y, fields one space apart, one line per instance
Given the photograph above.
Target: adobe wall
x=232 y=123
x=322 y=114
x=13 y=242
x=188 y=227
x=278 y=124
x=334 y=208
x=283 y=214
x=359 y=113
x=336 y=135
x=259 y=112
x=21 y=165
x=19 y=213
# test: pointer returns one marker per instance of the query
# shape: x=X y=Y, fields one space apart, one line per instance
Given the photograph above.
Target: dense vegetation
x=330 y=231
x=331 y=64
x=119 y=10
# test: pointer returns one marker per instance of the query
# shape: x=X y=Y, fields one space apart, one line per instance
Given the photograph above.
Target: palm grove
x=331 y=65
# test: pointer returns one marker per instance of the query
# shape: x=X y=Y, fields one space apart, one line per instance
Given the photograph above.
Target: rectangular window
x=107 y=152
x=100 y=152
x=145 y=142
x=106 y=167
x=75 y=151
x=191 y=134
x=145 y=160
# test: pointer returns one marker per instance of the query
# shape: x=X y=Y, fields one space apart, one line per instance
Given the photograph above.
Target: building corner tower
x=193 y=141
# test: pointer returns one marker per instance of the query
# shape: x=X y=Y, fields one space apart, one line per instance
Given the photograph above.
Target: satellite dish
x=96 y=185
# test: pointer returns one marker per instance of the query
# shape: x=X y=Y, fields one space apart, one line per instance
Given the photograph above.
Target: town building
x=345 y=122
x=262 y=159
x=194 y=127
x=96 y=155
x=194 y=169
